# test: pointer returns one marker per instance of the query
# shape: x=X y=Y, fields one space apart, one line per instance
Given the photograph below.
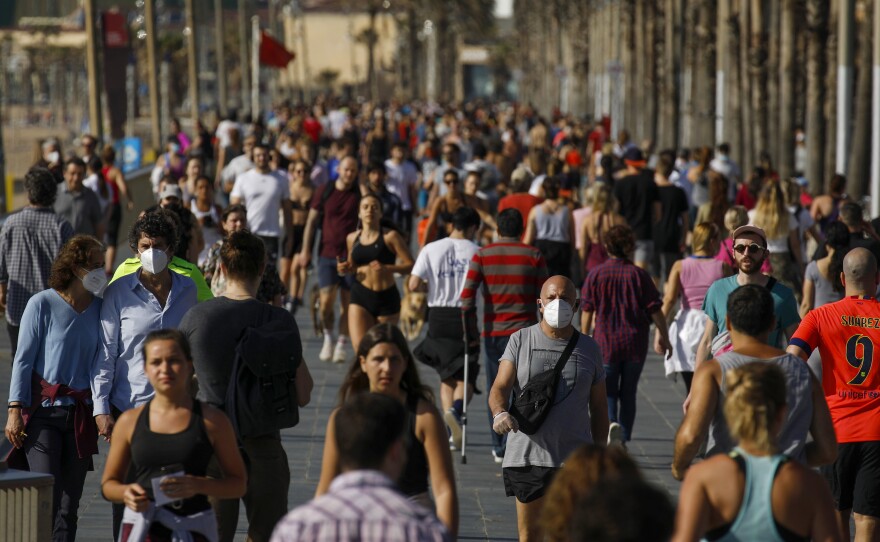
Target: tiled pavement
x=486 y=513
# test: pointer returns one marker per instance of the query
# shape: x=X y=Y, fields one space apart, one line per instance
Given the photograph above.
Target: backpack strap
x=770 y=284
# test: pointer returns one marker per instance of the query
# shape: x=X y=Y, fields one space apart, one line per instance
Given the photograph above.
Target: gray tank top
x=798 y=385
x=553 y=227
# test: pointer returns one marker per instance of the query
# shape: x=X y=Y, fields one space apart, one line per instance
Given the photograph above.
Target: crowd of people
x=581 y=251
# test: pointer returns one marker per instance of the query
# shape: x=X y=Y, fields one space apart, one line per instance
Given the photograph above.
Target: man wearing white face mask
x=579 y=408
x=622 y=300
x=134 y=305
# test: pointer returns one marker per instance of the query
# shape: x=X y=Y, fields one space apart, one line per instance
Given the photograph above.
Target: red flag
x=272 y=52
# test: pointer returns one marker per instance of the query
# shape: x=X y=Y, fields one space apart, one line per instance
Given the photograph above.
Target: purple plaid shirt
x=622 y=298
x=362 y=506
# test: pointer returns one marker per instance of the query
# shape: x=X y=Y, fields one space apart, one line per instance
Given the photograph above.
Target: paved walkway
x=486 y=513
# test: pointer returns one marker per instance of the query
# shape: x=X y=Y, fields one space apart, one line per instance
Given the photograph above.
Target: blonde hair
x=735 y=217
x=603 y=200
x=754 y=398
x=581 y=471
x=771 y=215
x=791 y=191
x=705 y=233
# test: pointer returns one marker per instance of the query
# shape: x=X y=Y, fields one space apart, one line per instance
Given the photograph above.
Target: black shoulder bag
x=533 y=402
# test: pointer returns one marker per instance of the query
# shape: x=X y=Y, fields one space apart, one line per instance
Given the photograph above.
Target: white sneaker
x=339 y=354
x=499 y=459
x=327 y=349
x=615 y=434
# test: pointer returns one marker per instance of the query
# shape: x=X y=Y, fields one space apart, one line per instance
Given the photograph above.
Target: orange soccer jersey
x=847 y=333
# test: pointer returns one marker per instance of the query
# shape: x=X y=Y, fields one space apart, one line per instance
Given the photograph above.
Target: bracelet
x=499 y=414
x=14 y=406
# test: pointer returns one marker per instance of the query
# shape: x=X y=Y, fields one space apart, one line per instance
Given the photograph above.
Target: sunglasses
x=450 y=181
x=753 y=248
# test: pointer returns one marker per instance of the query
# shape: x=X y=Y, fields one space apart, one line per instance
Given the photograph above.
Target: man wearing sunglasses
x=749 y=252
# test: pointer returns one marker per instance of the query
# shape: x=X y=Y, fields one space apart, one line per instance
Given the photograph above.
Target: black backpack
x=261 y=397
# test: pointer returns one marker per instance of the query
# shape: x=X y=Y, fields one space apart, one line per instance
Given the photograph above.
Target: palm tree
x=786 y=88
x=817 y=27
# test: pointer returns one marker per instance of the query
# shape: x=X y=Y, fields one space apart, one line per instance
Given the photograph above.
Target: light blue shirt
x=57 y=343
x=129 y=313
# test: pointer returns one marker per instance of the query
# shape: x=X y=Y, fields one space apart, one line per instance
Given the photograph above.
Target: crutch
x=466 y=383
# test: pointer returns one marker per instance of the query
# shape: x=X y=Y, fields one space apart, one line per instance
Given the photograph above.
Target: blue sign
x=131 y=152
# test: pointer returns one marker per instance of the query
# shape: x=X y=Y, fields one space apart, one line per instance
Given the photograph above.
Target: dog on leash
x=413 y=309
x=315 y=310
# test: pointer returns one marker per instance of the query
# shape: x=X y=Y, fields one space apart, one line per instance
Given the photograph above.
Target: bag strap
x=770 y=284
x=569 y=348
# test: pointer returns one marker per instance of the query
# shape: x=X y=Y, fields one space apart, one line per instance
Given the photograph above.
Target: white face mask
x=95 y=281
x=558 y=313
x=154 y=260
x=53 y=157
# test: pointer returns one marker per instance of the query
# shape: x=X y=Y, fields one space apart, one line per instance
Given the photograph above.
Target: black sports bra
x=364 y=254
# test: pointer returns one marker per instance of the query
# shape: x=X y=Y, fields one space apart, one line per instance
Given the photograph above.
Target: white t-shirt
x=779 y=244
x=443 y=265
x=262 y=194
x=399 y=178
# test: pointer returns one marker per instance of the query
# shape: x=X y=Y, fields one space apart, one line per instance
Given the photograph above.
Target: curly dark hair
x=72 y=256
x=41 y=186
x=620 y=241
x=155 y=223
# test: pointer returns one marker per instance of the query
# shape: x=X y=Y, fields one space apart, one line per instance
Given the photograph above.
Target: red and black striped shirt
x=510 y=275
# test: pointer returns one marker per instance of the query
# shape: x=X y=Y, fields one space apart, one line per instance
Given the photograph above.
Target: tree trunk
x=652 y=38
x=831 y=96
x=771 y=32
x=745 y=25
x=670 y=97
x=412 y=43
x=758 y=76
x=860 y=143
x=733 y=84
x=703 y=96
x=785 y=143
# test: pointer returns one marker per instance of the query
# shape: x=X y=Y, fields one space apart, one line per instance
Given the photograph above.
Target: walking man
x=335 y=214
x=264 y=193
x=509 y=274
x=845 y=333
x=29 y=242
x=579 y=414
x=363 y=505
x=78 y=204
x=213 y=329
x=749 y=252
x=440 y=271
x=750 y=319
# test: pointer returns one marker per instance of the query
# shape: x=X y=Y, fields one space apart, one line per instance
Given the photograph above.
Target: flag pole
x=255 y=68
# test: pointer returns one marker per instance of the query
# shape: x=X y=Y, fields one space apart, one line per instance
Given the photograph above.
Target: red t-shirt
x=340 y=218
x=522 y=202
x=845 y=333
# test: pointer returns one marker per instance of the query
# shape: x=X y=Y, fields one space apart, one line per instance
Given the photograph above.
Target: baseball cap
x=521 y=175
x=754 y=230
x=171 y=191
x=633 y=156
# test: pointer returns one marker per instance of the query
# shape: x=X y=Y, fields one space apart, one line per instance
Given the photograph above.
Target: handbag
x=533 y=402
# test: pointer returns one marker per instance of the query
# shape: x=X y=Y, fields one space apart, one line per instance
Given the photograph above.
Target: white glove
x=504 y=423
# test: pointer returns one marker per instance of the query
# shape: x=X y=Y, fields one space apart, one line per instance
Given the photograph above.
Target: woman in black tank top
x=385 y=365
x=373 y=253
x=166 y=444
